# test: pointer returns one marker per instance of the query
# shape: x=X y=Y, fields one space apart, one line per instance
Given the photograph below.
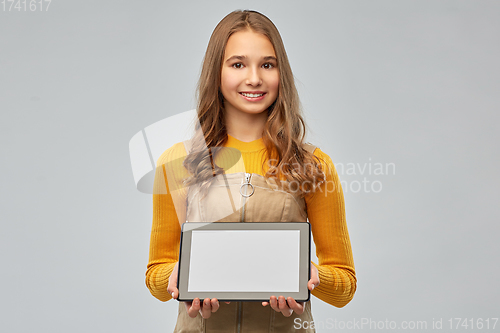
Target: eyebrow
x=244 y=57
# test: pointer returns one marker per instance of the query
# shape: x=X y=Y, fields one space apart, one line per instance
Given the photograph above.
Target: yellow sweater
x=326 y=214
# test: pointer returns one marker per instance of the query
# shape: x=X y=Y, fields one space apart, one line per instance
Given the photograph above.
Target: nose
x=254 y=77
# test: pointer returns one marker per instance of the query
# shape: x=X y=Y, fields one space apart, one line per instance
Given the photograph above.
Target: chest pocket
x=241 y=197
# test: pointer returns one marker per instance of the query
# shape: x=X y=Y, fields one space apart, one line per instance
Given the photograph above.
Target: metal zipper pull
x=245 y=195
x=247 y=182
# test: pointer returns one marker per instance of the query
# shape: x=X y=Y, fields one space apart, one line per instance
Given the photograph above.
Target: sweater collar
x=243 y=146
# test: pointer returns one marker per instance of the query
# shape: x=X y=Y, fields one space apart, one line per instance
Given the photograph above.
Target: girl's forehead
x=248 y=44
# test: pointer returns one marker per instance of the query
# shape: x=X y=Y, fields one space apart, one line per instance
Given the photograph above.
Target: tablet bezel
x=303 y=295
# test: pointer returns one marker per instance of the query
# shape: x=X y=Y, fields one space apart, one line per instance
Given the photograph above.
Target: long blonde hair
x=284 y=131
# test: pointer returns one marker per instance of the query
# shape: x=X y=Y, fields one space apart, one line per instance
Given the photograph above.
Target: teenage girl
x=247 y=100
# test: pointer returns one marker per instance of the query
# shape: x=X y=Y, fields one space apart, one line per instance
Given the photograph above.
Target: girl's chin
x=253 y=111
x=246 y=108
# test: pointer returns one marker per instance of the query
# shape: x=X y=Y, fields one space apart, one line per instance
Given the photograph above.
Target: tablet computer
x=244 y=261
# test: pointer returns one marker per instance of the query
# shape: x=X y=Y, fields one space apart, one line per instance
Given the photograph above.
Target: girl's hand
x=205 y=309
x=287 y=308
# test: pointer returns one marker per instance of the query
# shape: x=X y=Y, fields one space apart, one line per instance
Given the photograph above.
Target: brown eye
x=269 y=64
x=238 y=63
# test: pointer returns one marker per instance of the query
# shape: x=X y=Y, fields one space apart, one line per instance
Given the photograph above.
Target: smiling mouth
x=252 y=95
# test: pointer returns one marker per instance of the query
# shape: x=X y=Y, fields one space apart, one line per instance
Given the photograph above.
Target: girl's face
x=249 y=67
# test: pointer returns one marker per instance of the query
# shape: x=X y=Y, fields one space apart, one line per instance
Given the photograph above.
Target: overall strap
x=187 y=145
x=309 y=147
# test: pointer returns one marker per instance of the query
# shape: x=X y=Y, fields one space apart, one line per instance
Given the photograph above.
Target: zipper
x=239 y=316
x=245 y=195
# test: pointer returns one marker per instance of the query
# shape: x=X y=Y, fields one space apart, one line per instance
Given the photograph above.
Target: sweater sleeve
x=168 y=210
x=326 y=213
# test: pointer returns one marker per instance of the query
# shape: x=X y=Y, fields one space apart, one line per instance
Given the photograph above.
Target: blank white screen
x=244 y=261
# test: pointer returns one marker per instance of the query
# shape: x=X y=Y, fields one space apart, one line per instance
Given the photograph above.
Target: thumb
x=172 y=286
x=173 y=291
x=312 y=285
x=172 y=283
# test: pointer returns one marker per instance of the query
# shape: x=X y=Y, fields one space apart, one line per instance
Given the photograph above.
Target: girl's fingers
x=285 y=310
x=172 y=282
x=311 y=285
x=206 y=308
x=281 y=303
x=314 y=281
x=274 y=303
x=193 y=307
x=215 y=304
x=298 y=307
x=287 y=307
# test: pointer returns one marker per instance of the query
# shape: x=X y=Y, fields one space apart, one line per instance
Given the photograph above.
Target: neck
x=246 y=127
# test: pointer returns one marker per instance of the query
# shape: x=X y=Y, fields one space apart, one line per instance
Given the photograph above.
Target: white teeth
x=251 y=95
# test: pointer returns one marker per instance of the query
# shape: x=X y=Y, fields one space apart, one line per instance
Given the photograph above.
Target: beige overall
x=260 y=202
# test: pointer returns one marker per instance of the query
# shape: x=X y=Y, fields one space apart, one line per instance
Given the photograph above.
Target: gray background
x=414 y=83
